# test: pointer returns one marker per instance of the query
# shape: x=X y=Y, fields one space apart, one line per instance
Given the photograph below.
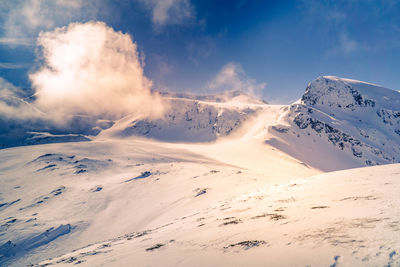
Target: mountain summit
x=353 y=121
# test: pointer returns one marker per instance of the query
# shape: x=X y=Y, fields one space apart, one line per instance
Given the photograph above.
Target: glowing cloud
x=93 y=70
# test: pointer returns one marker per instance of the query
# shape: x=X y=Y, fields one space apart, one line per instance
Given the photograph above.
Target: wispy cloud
x=200 y=48
x=8 y=65
x=232 y=77
x=345 y=46
x=170 y=12
x=326 y=10
x=348 y=45
x=22 y=20
x=13 y=41
x=331 y=16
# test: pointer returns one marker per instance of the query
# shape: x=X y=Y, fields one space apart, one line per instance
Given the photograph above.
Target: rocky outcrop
x=359 y=119
x=191 y=121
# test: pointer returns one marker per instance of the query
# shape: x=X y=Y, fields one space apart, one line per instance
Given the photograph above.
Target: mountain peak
x=332 y=93
x=360 y=121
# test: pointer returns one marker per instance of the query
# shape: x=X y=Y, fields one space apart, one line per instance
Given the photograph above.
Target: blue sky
x=276 y=47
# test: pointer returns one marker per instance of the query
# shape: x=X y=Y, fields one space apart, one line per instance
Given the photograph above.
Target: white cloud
x=232 y=77
x=91 y=69
x=167 y=12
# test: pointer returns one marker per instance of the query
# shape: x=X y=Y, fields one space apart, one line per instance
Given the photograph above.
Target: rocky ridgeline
x=192 y=121
x=360 y=119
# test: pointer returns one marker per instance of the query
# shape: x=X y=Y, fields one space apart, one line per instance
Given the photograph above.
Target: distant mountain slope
x=188 y=120
x=22 y=124
x=33 y=130
x=341 y=121
x=233 y=96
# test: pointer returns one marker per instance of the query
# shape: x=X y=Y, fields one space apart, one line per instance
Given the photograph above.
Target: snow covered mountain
x=212 y=182
x=337 y=124
x=355 y=122
x=188 y=120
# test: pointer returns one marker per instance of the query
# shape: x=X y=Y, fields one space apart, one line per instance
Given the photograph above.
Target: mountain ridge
x=357 y=122
x=358 y=118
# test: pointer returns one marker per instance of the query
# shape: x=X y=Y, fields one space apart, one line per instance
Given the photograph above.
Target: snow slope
x=83 y=187
x=144 y=202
